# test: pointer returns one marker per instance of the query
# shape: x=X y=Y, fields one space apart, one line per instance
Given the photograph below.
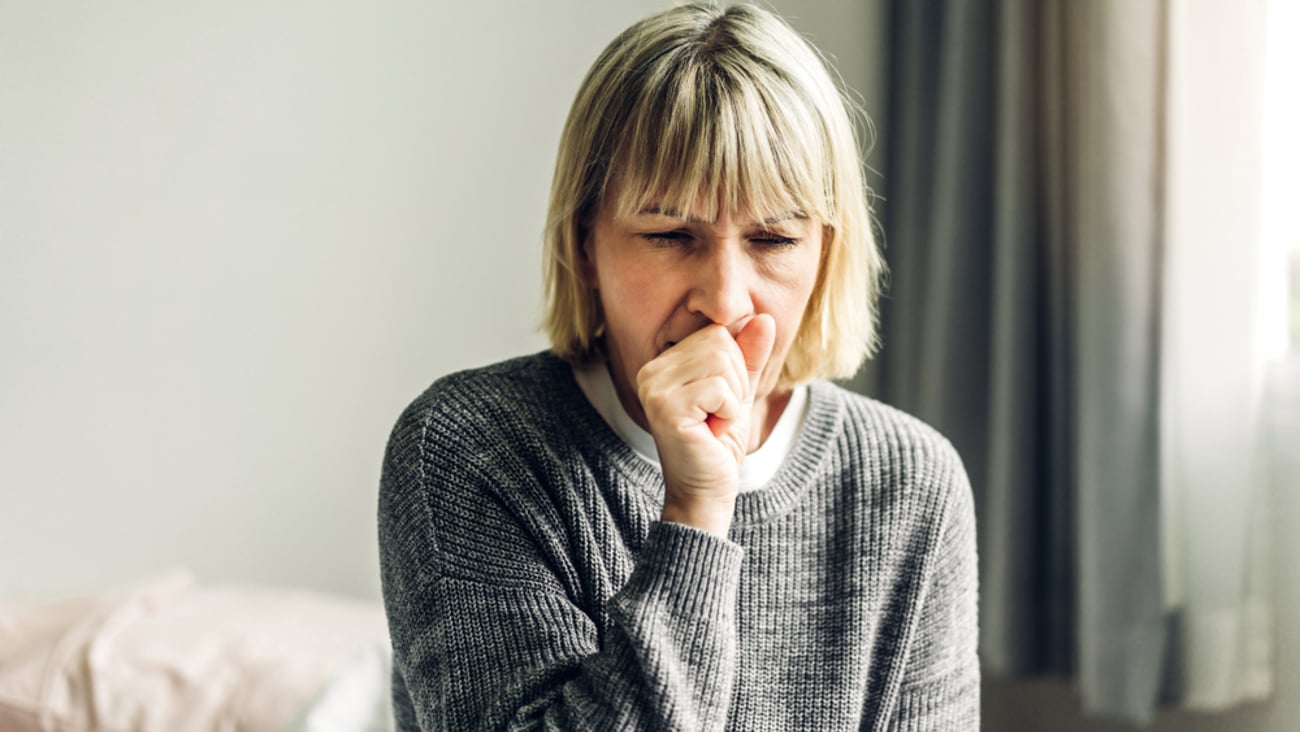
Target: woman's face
x=662 y=275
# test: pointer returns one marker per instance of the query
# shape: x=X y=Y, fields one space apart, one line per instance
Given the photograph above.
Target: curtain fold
x=977 y=323
x=1027 y=226
x=1113 y=89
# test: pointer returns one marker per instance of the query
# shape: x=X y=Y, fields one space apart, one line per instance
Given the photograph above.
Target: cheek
x=628 y=295
x=637 y=302
x=795 y=287
x=795 y=293
x=627 y=282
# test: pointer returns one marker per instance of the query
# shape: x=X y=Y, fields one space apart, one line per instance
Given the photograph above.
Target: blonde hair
x=733 y=109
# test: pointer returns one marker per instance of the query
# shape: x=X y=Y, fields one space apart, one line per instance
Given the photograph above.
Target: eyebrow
x=656 y=211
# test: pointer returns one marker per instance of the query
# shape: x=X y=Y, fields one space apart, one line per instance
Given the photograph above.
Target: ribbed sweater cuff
x=694 y=573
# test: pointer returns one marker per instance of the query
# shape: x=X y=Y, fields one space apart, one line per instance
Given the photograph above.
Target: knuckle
x=653 y=401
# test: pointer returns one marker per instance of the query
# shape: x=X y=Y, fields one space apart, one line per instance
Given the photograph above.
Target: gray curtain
x=1021 y=153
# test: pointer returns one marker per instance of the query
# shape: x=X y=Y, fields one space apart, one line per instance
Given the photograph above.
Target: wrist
x=712 y=514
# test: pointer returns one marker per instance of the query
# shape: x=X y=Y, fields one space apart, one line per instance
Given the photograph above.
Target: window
x=1281 y=266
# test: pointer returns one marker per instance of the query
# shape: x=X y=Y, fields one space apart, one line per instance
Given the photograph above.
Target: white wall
x=236 y=238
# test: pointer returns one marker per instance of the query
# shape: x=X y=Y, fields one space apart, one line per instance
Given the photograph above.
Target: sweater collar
x=812 y=448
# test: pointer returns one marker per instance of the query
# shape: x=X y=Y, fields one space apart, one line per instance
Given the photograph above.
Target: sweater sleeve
x=488 y=639
x=941 y=686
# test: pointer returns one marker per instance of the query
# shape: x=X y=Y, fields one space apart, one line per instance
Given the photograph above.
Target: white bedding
x=171 y=655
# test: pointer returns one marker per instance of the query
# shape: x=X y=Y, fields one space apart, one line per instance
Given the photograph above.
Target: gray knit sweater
x=530 y=585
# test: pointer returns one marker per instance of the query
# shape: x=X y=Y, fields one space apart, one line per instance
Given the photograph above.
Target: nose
x=721 y=290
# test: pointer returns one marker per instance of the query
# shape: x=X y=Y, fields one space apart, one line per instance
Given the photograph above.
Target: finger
x=710 y=351
x=756 y=341
x=714 y=403
x=728 y=360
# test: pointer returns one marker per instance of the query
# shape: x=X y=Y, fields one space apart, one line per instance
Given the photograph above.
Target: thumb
x=755 y=341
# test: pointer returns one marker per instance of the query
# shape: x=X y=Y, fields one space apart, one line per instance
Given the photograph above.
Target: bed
x=169 y=653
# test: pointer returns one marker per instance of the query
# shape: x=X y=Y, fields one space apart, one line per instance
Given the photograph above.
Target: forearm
x=497 y=658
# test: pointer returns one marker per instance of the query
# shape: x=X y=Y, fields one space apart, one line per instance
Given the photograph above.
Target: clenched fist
x=698 y=397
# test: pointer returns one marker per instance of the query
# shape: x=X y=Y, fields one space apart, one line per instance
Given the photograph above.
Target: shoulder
x=907 y=462
x=468 y=452
x=887 y=435
x=480 y=428
x=478 y=404
x=523 y=383
x=460 y=481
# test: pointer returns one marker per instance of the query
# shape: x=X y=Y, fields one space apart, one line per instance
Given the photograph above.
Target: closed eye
x=667 y=238
x=774 y=241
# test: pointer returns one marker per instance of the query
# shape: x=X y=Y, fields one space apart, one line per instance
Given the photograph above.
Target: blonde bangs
x=710 y=139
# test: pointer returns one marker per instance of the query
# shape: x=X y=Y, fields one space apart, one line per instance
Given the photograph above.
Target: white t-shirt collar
x=759 y=466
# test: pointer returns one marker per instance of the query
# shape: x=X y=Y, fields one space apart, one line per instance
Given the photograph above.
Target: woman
x=667 y=521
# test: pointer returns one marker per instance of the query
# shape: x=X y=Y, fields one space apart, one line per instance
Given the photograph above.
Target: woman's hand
x=698 y=398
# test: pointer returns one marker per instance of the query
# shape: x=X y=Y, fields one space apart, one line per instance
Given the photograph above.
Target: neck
x=767 y=412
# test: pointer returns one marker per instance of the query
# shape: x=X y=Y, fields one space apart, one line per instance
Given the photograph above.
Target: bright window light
x=1281 y=275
